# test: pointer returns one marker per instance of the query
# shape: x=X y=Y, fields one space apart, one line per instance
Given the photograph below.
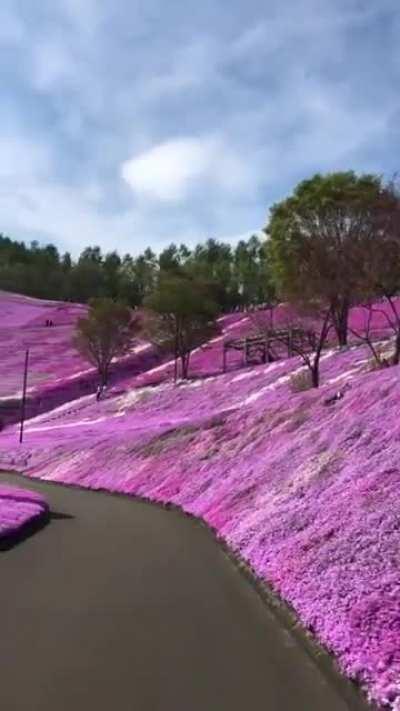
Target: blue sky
x=127 y=123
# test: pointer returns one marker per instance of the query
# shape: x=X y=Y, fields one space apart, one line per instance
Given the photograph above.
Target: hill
x=57 y=373
x=302 y=486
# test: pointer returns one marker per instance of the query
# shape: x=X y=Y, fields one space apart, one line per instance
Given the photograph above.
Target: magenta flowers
x=18 y=508
x=305 y=487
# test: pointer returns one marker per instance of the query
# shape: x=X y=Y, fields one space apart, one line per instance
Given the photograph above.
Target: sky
x=135 y=123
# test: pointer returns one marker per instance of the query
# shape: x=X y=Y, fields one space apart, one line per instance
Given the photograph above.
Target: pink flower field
x=57 y=372
x=303 y=487
x=18 y=508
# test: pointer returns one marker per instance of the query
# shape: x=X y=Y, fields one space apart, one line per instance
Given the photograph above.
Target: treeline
x=237 y=276
x=334 y=243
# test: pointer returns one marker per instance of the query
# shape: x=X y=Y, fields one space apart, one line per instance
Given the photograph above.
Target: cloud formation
x=129 y=123
x=171 y=171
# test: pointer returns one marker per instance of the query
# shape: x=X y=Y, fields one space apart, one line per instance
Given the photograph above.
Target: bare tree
x=311 y=331
x=366 y=334
x=263 y=326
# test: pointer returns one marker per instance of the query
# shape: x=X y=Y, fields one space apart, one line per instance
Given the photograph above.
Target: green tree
x=86 y=281
x=317 y=237
x=212 y=262
x=173 y=259
x=112 y=274
x=106 y=333
x=180 y=316
x=252 y=272
x=145 y=273
x=379 y=267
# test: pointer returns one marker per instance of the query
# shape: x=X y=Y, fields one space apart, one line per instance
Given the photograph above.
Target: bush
x=299 y=382
x=379 y=359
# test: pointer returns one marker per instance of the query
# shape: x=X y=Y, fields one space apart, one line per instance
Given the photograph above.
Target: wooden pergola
x=259 y=348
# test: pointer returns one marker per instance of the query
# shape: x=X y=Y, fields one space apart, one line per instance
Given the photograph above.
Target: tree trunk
x=103 y=376
x=396 y=354
x=341 y=319
x=185 y=365
x=315 y=374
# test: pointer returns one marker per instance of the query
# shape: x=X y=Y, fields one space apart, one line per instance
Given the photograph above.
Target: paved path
x=128 y=607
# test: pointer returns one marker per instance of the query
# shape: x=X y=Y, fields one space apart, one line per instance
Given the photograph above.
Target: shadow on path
x=30 y=528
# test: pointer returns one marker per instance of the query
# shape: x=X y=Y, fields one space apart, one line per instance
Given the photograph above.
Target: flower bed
x=19 y=508
x=304 y=487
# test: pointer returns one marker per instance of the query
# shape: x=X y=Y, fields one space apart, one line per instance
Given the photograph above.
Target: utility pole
x=23 y=401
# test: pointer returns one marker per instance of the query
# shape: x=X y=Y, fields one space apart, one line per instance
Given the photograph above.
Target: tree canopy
x=104 y=334
x=239 y=276
x=180 y=316
x=318 y=236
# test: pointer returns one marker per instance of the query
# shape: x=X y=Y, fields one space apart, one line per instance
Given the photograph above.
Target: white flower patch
x=243 y=376
x=64 y=425
x=341 y=376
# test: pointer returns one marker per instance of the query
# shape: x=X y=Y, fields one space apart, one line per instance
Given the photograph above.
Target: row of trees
x=333 y=244
x=177 y=317
x=239 y=276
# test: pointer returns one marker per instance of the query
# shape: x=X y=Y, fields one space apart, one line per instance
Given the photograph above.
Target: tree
x=379 y=270
x=91 y=254
x=311 y=329
x=172 y=259
x=364 y=331
x=212 y=263
x=107 y=332
x=180 y=316
x=145 y=273
x=317 y=237
x=251 y=272
x=112 y=275
x=86 y=281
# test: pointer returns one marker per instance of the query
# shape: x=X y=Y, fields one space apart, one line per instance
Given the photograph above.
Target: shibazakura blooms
x=304 y=487
x=18 y=509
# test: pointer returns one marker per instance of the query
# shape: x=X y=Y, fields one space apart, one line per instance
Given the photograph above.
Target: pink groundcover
x=304 y=486
x=18 y=508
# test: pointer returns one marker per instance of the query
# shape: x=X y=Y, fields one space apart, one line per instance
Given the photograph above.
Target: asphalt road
x=119 y=605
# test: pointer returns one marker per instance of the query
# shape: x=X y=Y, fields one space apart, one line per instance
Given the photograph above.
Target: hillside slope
x=303 y=487
x=57 y=373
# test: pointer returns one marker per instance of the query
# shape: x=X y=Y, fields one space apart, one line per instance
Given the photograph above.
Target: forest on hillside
x=237 y=275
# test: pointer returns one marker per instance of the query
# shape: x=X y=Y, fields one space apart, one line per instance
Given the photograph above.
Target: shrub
x=379 y=359
x=299 y=382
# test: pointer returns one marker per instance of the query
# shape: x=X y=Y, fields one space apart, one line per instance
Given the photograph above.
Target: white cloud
x=113 y=132
x=169 y=171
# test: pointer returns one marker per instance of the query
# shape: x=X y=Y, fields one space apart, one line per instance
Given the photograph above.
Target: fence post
x=23 y=401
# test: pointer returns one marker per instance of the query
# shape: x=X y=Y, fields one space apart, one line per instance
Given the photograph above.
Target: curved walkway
x=121 y=605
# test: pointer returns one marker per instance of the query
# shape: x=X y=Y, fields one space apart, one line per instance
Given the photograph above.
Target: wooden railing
x=260 y=347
